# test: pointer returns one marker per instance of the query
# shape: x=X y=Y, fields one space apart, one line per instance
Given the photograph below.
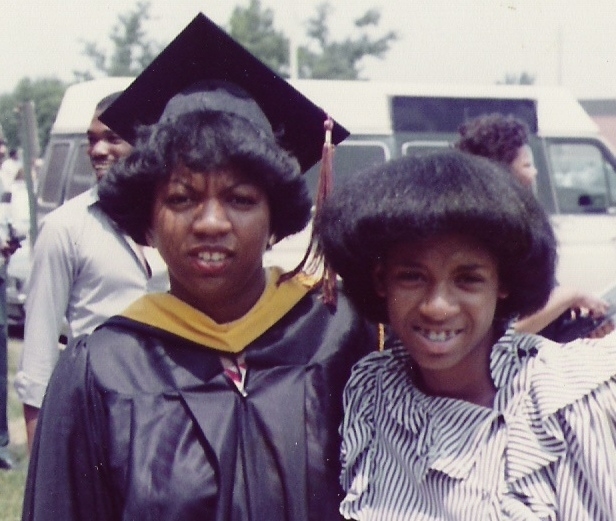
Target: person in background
x=220 y=400
x=84 y=270
x=465 y=419
x=8 y=168
x=505 y=140
x=10 y=244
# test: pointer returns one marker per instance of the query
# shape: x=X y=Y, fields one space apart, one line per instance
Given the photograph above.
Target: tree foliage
x=341 y=59
x=132 y=50
x=322 y=57
x=254 y=28
x=46 y=93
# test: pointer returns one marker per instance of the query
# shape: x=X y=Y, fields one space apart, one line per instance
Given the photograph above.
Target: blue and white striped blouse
x=545 y=451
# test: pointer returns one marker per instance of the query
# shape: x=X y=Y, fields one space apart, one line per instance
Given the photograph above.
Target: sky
x=566 y=42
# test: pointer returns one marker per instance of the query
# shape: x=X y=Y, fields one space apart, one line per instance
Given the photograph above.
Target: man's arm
x=31 y=416
x=49 y=288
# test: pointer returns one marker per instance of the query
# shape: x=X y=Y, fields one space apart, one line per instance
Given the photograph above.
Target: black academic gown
x=141 y=424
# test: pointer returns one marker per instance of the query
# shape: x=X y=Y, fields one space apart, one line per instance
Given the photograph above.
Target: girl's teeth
x=440 y=336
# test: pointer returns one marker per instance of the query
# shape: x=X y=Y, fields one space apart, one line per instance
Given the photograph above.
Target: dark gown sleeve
x=67 y=479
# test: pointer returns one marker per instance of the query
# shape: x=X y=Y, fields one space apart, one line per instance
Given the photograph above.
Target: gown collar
x=166 y=312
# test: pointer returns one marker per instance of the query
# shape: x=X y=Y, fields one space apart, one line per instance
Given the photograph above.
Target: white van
x=577 y=169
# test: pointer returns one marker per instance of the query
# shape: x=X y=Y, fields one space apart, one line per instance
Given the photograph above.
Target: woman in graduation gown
x=220 y=400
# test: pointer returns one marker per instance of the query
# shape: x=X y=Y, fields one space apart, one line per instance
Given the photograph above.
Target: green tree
x=323 y=57
x=132 y=50
x=254 y=28
x=46 y=93
x=341 y=59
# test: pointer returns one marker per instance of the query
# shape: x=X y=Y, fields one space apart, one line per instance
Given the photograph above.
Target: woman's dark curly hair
x=203 y=142
x=494 y=136
x=418 y=197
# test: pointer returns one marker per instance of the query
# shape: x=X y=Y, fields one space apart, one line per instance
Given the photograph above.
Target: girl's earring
x=271 y=242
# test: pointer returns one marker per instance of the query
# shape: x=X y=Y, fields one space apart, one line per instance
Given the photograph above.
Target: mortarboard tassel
x=313 y=260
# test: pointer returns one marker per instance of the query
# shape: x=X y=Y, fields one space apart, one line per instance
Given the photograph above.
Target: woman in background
x=505 y=140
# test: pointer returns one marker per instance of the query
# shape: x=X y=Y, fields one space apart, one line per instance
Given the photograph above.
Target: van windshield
x=584 y=181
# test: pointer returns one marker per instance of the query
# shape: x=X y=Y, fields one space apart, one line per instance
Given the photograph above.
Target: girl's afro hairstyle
x=204 y=142
x=494 y=136
x=419 y=197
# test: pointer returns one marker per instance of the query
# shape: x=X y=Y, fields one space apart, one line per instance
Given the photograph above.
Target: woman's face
x=441 y=296
x=523 y=166
x=212 y=228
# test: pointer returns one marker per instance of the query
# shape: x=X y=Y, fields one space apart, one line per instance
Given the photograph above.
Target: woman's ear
x=149 y=238
x=378 y=280
x=502 y=293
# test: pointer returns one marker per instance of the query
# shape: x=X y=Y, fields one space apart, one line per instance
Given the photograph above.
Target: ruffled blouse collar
x=434 y=422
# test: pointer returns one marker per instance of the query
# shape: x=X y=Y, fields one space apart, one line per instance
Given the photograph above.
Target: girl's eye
x=470 y=279
x=243 y=200
x=410 y=276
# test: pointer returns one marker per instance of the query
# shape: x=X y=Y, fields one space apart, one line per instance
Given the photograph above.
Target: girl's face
x=212 y=228
x=441 y=296
x=523 y=166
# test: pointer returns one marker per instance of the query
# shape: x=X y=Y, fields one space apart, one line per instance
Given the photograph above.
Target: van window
x=350 y=157
x=83 y=177
x=416 y=147
x=52 y=184
x=585 y=182
x=436 y=114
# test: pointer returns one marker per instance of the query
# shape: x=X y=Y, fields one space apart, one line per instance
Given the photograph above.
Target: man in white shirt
x=84 y=270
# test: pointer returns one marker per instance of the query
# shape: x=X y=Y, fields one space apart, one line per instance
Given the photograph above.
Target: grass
x=12 y=483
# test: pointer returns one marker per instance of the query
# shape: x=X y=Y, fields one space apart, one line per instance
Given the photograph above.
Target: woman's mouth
x=212 y=262
x=212 y=256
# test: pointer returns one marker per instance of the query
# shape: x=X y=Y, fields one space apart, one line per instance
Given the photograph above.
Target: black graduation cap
x=204 y=52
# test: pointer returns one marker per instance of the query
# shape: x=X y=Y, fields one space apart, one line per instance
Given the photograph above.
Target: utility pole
x=28 y=135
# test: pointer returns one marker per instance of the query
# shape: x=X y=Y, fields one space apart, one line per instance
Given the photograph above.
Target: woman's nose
x=212 y=218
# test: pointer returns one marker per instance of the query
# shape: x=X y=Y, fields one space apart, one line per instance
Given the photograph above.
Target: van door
x=583 y=176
